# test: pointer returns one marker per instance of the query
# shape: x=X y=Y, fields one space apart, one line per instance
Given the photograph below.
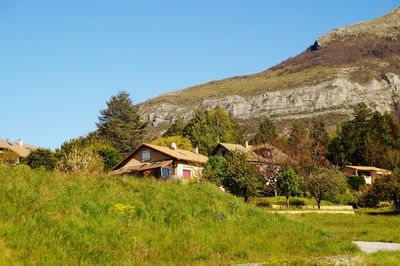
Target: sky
x=60 y=61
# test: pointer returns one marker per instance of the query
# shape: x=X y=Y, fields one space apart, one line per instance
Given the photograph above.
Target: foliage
x=181 y=142
x=298 y=141
x=109 y=155
x=319 y=143
x=8 y=157
x=80 y=160
x=324 y=182
x=355 y=181
x=41 y=158
x=207 y=128
x=176 y=129
x=288 y=184
x=388 y=188
x=241 y=177
x=51 y=219
x=267 y=132
x=215 y=169
x=121 y=124
x=364 y=139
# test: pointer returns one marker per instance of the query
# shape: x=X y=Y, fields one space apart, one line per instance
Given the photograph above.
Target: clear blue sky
x=60 y=61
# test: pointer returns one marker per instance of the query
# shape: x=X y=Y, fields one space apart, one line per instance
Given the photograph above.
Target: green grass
x=364 y=226
x=53 y=219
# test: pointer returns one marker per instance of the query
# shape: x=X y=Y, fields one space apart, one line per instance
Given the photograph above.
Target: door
x=187 y=173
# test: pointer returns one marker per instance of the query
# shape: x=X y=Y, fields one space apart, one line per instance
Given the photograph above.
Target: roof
x=178 y=154
x=368 y=168
x=267 y=153
x=261 y=153
x=140 y=167
x=23 y=151
x=232 y=147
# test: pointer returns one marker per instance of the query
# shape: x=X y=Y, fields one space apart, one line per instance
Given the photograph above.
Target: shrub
x=41 y=158
x=80 y=160
x=355 y=181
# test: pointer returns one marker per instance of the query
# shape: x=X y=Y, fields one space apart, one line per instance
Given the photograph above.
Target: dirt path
x=371 y=247
x=313 y=211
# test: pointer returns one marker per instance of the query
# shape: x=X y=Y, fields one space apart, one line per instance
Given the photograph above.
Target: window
x=146 y=155
x=165 y=172
x=187 y=173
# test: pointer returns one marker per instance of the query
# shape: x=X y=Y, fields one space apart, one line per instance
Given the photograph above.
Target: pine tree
x=267 y=132
x=121 y=124
x=176 y=129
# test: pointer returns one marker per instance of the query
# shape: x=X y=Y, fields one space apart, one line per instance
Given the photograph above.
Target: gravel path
x=371 y=247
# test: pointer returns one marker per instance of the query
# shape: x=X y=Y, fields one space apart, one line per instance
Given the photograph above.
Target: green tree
x=388 y=188
x=181 y=142
x=242 y=178
x=207 y=128
x=121 y=124
x=288 y=184
x=324 y=182
x=319 y=143
x=176 y=129
x=267 y=132
x=92 y=142
x=41 y=158
x=215 y=169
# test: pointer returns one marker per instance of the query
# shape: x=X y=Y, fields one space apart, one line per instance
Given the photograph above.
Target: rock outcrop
x=349 y=65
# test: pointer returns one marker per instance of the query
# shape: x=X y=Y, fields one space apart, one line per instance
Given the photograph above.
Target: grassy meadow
x=54 y=219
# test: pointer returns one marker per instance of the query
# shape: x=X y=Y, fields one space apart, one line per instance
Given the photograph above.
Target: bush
x=355 y=181
x=80 y=160
x=41 y=158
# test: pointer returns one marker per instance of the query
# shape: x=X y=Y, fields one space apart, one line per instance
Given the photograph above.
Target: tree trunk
x=246 y=198
x=287 y=201
x=319 y=204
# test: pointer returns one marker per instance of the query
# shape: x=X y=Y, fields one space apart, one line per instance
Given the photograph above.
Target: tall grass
x=54 y=219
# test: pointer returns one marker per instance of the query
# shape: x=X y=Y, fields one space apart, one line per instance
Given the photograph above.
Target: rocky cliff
x=352 y=64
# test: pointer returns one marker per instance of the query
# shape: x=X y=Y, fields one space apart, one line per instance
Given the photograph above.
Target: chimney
x=196 y=150
x=173 y=146
x=20 y=142
x=247 y=144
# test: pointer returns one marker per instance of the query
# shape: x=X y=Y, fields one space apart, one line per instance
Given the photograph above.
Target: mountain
x=351 y=64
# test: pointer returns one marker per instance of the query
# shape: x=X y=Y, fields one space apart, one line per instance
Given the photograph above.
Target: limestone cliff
x=352 y=64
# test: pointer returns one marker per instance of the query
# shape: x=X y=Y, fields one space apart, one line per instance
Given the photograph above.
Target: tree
x=267 y=132
x=324 y=182
x=288 y=184
x=41 y=158
x=207 y=128
x=121 y=124
x=388 y=188
x=181 y=142
x=242 y=178
x=80 y=161
x=298 y=141
x=176 y=129
x=215 y=170
x=319 y=143
x=93 y=143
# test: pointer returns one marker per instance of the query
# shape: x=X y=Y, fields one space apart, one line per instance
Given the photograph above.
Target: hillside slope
x=54 y=219
x=349 y=65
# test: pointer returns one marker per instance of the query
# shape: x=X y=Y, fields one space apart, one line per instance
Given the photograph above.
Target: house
x=259 y=154
x=370 y=173
x=162 y=162
x=17 y=150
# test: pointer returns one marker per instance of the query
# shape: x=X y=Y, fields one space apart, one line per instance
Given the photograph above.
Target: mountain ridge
x=350 y=64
